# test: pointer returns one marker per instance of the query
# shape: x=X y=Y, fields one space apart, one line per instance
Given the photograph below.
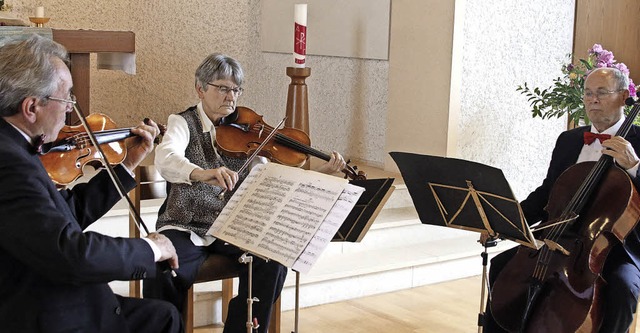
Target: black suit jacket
x=53 y=277
x=565 y=154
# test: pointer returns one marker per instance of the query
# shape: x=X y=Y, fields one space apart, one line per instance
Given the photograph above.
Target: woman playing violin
x=198 y=172
x=54 y=275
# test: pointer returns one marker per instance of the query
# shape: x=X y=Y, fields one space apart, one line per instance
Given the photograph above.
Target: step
x=352 y=275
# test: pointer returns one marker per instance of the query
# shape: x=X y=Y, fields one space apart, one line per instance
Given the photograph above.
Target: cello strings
x=558 y=230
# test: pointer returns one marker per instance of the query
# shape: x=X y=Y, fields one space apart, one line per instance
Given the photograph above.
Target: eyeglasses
x=224 y=90
x=71 y=100
x=599 y=94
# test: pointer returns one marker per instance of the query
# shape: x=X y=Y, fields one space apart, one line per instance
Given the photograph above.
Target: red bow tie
x=589 y=137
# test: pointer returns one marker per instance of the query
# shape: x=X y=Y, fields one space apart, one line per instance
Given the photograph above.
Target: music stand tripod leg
x=483 y=303
x=252 y=324
x=297 y=307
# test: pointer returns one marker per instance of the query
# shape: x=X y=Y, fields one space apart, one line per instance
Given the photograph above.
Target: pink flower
x=597 y=48
x=632 y=88
x=606 y=57
x=622 y=67
x=601 y=64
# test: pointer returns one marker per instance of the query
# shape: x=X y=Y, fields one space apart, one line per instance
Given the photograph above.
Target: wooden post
x=298 y=101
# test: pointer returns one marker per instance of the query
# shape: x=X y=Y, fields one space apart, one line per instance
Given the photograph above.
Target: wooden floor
x=440 y=308
x=446 y=307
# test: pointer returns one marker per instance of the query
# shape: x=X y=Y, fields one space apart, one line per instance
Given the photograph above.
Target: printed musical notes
x=286 y=214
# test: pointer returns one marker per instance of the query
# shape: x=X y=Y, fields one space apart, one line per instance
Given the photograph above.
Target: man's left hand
x=622 y=151
x=139 y=146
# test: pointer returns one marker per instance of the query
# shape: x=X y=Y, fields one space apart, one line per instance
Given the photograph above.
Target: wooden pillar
x=298 y=101
x=80 y=44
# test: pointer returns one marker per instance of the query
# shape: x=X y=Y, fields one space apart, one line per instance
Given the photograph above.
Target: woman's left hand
x=335 y=164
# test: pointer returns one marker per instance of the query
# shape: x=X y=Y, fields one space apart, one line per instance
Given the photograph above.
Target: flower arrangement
x=565 y=95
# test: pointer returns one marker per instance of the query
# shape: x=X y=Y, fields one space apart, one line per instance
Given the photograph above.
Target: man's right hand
x=168 y=252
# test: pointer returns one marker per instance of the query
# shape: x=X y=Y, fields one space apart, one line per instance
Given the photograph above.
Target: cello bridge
x=553 y=246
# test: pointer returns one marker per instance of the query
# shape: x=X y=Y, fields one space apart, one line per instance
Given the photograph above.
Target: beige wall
x=447 y=89
x=420 y=77
x=347 y=97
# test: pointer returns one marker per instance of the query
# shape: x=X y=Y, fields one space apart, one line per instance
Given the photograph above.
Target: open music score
x=286 y=214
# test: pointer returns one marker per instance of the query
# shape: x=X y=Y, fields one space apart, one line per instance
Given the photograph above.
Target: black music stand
x=359 y=220
x=464 y=195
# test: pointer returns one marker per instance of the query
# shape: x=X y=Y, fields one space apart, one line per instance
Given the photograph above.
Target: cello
x=593 y=206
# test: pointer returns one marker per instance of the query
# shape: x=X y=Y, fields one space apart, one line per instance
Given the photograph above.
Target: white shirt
x=593 y=152
x=174 y=167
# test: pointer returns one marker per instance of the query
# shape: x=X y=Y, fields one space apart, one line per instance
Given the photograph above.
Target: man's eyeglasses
x=71 y=100
x=599 y=94
x=223 y=90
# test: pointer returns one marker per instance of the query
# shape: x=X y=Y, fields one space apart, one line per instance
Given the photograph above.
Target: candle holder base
x=39 y=21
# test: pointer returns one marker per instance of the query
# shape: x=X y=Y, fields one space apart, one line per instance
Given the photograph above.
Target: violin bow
x=112 y=174
x=255 y=153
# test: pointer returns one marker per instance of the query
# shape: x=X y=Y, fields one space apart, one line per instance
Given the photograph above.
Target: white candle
x=40 y=11
x=300 y=34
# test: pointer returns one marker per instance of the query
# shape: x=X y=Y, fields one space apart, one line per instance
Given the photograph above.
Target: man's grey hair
x=622 y=80
x=27 y=69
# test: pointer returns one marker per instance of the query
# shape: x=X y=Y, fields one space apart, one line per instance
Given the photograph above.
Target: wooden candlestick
x=39 y=21
x=298 y=101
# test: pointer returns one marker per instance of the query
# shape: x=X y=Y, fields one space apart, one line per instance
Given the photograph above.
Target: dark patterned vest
x=196 y=206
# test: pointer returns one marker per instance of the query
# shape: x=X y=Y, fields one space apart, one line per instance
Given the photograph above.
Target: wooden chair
x=217 y=267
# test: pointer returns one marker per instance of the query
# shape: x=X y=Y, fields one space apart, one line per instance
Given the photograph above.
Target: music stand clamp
x=465 y=195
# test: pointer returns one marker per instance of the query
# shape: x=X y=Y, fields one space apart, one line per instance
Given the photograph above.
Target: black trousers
x=268 y=280
x=620 y=293
x=150 y=315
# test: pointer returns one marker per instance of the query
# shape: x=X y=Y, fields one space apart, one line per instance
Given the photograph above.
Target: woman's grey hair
x=218 y=66
x=27 y=69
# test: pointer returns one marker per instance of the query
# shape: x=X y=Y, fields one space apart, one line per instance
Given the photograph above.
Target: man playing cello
x=606 y=90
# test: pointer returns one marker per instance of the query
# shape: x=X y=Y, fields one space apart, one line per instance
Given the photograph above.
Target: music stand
x=359 y=220
x=464 y=195
x=357 y=223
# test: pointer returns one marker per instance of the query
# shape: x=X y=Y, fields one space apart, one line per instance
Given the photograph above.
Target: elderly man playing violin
x=605 y=92
x=54 y=276
x=198 y=173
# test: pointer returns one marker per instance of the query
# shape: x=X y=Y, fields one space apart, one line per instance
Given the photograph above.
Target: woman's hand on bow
x=222 y=177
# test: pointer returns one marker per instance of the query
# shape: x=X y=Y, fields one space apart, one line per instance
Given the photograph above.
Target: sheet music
x=347 y=200
x=277 y=210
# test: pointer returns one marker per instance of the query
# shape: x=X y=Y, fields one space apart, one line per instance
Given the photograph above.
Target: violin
x=242 y=132
x=65 y=157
